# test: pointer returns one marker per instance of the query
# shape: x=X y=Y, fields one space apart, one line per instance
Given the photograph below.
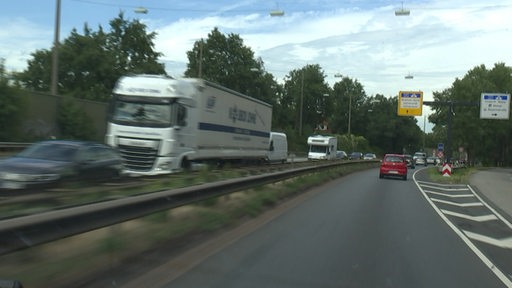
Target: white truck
x=162 y=125
x=322 y=147
x=278 y=148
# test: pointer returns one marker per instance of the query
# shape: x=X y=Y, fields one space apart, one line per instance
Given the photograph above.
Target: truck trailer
x=322 y=147
x=162 y=125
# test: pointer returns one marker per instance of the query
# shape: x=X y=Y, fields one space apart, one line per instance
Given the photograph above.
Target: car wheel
x=404 y=178
x=381 y=176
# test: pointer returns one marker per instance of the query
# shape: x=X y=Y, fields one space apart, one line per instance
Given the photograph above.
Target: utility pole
x=55 y=52
x=301 y=101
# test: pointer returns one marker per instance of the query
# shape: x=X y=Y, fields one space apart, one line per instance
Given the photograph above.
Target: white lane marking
x=482 y=218
x=472 y=204
x=446 y=189
x=487 y=262
x=502 y=243
x=441 y=184
x=490 y=208
x=450 y=195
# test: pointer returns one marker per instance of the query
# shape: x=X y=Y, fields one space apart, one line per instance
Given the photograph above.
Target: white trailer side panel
x=231 y=125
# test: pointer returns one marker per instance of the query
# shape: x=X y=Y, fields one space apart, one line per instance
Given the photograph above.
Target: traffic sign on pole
x=410 y=103
x=495 y=106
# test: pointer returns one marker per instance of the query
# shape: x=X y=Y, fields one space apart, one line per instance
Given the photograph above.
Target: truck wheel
x=185 y=164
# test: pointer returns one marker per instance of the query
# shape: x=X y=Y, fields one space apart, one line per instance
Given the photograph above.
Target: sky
x=437 y=43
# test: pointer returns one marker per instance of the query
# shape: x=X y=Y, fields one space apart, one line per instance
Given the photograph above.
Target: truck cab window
x=181 y=114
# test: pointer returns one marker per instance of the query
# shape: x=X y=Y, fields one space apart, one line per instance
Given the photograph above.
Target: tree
x=387 y=131
x=12 y=109
x=90 y=63
x=484 y=140
x=348 y=96
x=223 y=60
x=227 y=61
x=133 y=48
x=73 y=122
x=306 y=97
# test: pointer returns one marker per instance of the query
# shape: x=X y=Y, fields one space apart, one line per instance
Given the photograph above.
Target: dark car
x=393 y=165
x=355 y=156
x=47 y=163
x=341 y=154
x=411 y=163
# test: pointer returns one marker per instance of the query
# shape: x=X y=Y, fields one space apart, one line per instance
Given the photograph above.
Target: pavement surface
x=495 y=185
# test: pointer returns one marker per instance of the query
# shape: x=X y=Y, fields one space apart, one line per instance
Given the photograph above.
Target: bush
x=73 y=122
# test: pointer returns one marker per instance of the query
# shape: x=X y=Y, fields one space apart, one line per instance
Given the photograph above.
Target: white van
x=278 y=148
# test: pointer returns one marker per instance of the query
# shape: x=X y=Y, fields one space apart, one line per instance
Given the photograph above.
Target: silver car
x=420 y=158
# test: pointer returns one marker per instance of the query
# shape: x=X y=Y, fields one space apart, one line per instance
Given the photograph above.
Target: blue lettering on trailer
x=233 y=130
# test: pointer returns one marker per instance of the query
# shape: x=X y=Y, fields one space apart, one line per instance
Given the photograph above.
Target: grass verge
x=459 y=175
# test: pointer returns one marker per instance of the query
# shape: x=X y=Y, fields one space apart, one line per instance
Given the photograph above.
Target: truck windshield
x=139 y=113
x=318 y=149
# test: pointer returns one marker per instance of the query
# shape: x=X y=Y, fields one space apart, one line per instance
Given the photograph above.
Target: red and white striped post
x=447 y=169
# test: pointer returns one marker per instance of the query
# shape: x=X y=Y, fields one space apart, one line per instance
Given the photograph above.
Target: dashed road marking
x=450 y=195
x=482 y=218
x=502 y=243
x=471 y=204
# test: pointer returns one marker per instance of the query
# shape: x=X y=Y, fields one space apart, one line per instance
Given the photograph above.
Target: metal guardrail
x=27 y=231
x=7 y=148
x=13 y=145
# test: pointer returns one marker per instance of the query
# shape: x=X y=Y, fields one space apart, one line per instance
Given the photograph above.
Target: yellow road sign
x=410 y=103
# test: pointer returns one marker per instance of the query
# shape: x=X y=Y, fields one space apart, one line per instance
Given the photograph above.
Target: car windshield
x=50 y=151
x=394 y=159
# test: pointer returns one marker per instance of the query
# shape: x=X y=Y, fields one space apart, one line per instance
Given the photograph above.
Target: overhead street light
x=276 y=13
x=141 y=10
x=402 y=11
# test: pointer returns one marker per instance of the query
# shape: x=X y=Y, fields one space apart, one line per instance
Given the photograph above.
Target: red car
x=393 y=165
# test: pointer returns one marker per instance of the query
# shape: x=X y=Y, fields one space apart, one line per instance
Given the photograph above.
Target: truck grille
x=138 y=158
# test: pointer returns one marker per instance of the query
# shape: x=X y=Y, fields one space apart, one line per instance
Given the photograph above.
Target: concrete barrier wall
x=42 y=110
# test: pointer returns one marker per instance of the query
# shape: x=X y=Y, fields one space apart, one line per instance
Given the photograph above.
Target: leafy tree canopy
x=12 y=107
x=90 y=63
x=487 y=141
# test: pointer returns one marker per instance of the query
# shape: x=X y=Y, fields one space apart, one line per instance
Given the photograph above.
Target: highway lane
x=359 y=231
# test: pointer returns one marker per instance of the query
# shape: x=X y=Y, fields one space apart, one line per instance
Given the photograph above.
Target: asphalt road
x=358 y=231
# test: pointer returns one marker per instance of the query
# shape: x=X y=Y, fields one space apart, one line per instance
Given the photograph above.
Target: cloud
x=19 y=38
x=439 y=41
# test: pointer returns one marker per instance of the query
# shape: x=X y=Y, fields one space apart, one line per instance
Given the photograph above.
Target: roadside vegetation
x=459 y=175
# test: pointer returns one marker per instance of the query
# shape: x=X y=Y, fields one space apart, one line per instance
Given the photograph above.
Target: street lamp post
x=301 y=101
x=338 y=75
x=55 y=52
x=349 y=110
